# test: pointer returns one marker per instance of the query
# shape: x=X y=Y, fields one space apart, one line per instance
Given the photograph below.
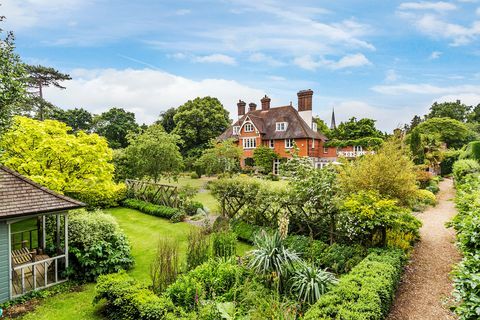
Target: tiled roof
x=265 y=120
x=20 y=196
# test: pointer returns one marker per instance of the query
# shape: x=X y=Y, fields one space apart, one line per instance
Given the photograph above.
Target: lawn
x=143 y=232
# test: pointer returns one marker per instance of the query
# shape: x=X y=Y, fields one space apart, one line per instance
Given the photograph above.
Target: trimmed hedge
x=246 y=231
x=366 y=293
x=151 y=209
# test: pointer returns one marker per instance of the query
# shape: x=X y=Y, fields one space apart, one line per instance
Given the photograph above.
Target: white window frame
x=249 y=143
x=271 y=144
x=248 y=127
x=289 y=143
x=281 y=126
x=357 y=148
x=236 y=130
x=276 y=166
x=325 y=149
x=314 y=126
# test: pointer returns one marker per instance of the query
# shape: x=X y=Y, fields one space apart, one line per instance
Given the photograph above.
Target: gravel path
x=425 y=289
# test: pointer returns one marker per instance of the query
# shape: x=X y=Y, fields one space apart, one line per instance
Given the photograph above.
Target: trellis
x=156 y=193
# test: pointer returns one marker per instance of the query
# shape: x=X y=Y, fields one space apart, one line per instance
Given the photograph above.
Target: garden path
x=425 y=289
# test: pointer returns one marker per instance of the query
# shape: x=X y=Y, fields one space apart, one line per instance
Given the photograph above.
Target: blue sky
x=387 y=60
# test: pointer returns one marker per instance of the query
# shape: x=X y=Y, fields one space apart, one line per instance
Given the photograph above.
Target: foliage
x=367 y=142
x=164 y=269
x=366 y=217
x=356 y=129
x=309 y=283
x=264 y=157
x=450 y=131
x=199 y=121
x=246 y=231
x=78 y=164
x=471 y=151
x=390 y=172
x=114 y=125
x=166 y=119
x=77 y=119
x=271 y=255
x=224 y=244
x=321 y=126
x=198 y=248
x=154 y=153
x=149 y=208
x=416 y=147
x=449 y=158
x=126 y=299
x=97 y=245
x=366 y=292
x=461 y=168
x=454 y=110
x=12 y=78
x=337 y=258
x=220 y=157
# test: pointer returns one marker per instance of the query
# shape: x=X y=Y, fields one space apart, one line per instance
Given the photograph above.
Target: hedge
x=461 y=168
x=152 y=209
x=366 y=293
x=246 y=231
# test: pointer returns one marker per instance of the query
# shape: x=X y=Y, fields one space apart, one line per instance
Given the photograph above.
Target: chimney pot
x=265 y=103
x=241 y=108
x=252 y=106
x=305 y=100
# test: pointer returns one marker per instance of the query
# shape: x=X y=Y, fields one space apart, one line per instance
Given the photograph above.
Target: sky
x=386 y=60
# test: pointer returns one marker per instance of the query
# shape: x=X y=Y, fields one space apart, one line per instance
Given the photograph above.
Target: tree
x=474 y=116
x=198 y=121
x=450 y=131
x=166 y=119
x=321 y=126
x=77 y=119
x=264 y=157
x=356 y=129
x=416 y=147
x=39 y=77
x=221 y=157
x=114 y=125
x=390 y=172
x=416 y=120
x=454 y=110
x=154 y=153
x=73 y=164
x=12 y=78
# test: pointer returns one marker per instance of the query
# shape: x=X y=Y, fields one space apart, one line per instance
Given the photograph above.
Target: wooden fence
x=162 y=194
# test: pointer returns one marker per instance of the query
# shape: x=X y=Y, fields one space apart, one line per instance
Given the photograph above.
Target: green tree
x=450 y=131
x=77 y=119
x=74 y=164
x=474 y=116
x=166 y=119
x=416 y=147
x=356 y=129
x=221 y=157
x=12 y=78
x=198 y=121
x=114 y=125
x=416 y=120
x=321 y=126
x=154 y=153
x=454 y=110
x=263 y=157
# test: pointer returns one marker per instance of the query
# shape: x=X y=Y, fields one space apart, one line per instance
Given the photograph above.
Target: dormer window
x=281 y=126
x=314 y=126
x=236 y=130
x=248 y=127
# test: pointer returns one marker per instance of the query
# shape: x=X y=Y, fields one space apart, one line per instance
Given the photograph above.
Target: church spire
x=333 y=125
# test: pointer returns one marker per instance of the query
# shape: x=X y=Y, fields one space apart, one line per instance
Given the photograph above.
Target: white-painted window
x=271 y=143
x=249 y=143
x=325 y=149
x=314 y=126
x=281 y=126
x=289 y=143
x=248 y=127
x=276 y=166
x=236 y=129
x=357 y=148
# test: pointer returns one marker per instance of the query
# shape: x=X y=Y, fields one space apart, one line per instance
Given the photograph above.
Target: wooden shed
x=33 y=235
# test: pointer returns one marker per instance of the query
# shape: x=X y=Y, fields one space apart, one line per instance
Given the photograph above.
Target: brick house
x=280 y=128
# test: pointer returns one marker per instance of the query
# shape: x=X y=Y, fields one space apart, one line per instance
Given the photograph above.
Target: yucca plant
x=309 y=282
x=271 y=255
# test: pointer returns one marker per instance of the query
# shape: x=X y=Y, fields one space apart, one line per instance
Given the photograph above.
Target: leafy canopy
x=221 y=157
x=453 y=110
x=356 y=129
x=74 y=164
x=198 y=121
x=453 y=132
x=114 y=125
x=263 y=157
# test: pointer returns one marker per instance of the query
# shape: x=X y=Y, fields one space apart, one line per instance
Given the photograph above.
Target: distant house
x=281 y=128
x=33 y=235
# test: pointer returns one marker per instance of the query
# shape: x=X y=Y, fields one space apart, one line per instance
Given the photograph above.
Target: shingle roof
x=20 y=196
x=265 y=122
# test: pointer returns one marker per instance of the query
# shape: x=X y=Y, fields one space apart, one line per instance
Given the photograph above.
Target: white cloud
x=146 y=92
x=349 y=61
x=439 y=6
x=425 y=89
x=216 y=58
x=435 y=55
x=263 y=58
x=391 y=76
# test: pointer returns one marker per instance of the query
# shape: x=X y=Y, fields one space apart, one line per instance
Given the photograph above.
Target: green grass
x=25 y=226
x=143 y=232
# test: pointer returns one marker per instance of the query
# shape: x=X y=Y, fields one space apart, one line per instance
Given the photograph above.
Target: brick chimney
x=241 y=108
x=252 y=106
x=305 y=106
x=265 y=103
